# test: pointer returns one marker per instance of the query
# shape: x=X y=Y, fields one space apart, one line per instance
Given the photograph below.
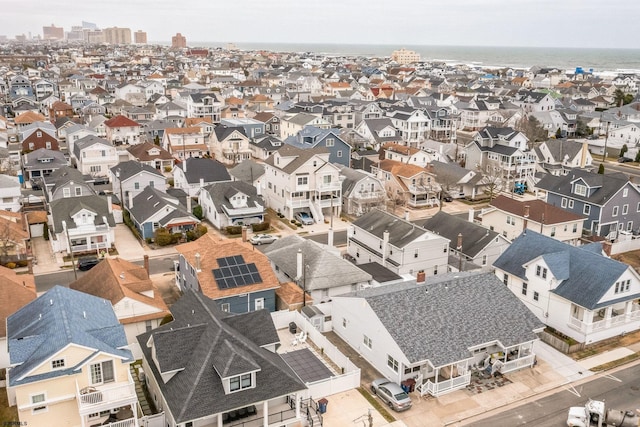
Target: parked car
x=624 y=160
x=304 y=218
x=87 y=263
x=261 y=239
x=391 y=394
x=447 y=197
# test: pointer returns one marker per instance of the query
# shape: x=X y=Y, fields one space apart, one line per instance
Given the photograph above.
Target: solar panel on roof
x=234 y=272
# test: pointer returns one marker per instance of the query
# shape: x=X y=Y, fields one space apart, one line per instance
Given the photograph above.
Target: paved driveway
x=127 y=245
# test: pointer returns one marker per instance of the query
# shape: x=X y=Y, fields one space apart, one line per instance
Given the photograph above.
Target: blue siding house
x=610 y=202
x=229 y=272
x=311 y=136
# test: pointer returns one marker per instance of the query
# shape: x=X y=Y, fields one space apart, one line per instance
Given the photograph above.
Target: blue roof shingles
x=56 y=319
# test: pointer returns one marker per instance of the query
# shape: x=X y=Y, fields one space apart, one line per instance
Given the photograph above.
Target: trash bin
x=408 y=385
x=322 y=405
x=293 y=328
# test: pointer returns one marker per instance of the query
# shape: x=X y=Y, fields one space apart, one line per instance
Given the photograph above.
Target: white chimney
x=299 y=265
x=201 y=182
x=109 y=203
x=130 y=194
x=188 y=203
x=385 y=247
x=471 y=215
x=197 y=262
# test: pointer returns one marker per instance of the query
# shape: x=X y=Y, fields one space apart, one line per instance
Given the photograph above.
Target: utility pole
x=459 y=249
x=606 y=138
x=73 y=262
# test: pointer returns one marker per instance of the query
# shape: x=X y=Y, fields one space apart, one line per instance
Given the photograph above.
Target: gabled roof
x=121 y=121
x=461 y=308
x=141 y=152
x=325 y=270
x=205 y=344
x=62 y=209
x=152 y=201
x=132 y=168
x=247 y=171
x=58 y=318
x=475 y=237
x=606 y=185
x=539 y=211
x=115 y=279
x=590 y=274
x=401 y=232
x=301 y=157
x=210 y=170
x=219 y=192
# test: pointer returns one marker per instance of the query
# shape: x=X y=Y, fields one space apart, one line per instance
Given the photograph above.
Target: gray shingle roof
x=132 y=168
x=474 y=237
x=440 y=320
x=62 y=209
x=56 y=319
x=151 y=201
x=221 y=191
x=401 y=232
x=197 y=390
x=607 y=185
x=325 y=270
x=584 y=275
x=209 y=170
x=247 y=171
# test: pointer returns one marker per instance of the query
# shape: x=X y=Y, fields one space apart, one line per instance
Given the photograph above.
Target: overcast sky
x=557 y=23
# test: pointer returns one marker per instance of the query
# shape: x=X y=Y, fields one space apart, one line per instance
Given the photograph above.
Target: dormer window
x=580 y=190
x=241 y=382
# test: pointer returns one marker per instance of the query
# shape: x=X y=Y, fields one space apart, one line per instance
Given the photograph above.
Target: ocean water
x=599 y=60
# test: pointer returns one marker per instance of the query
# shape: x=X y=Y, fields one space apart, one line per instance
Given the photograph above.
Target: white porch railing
x=514 y=365
x=99 y=398
x=446 y=386
x=131 y=422
x=298 y=203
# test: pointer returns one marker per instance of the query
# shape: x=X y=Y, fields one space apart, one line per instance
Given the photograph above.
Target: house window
x=553 y=231
x=66 y=192
x=303 y=180
x=580 y=190
x=444 y=249
x=240 y=382
x=57 y=364
x=344 y=323
x=536 y=296
x=575 y=227
x=368 y=342
x=505 y=278
x=511 y=220
x=225 y=307
x=330 y=142
x=625 y=209
x=339 y=153
x=415 y=254
x=541 y=271
x=435 y=270
x=563 y=204
x=587 y=209
x=136 y=185
x=615 y=211
x=392 y=363
x=484 y=260
x=148 y=325
x=95 y=168
x=629 y=225
x=638 y=207
x=78 y=191
x=524 y=289
x=570 y=204
x=102 y=372
x=326 y=180
x=625 y=192
x=259 y=303
x=35 y=400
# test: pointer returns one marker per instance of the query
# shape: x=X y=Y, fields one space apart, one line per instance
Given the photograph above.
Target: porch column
x=587 y=316
x=265 y=410
x=607 y=315
x=628 y=308
x=298 y=403
x=219 y=419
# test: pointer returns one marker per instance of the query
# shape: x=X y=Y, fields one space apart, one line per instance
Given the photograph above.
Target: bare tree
x=533 y=130
x=7 y=239
x=492 y=177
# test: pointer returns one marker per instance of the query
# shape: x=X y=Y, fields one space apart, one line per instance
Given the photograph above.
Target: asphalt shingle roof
x=440 y=320
x=584 y=276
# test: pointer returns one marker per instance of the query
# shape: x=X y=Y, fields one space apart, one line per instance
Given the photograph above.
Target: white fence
x=622 y=246
x=348 y=375
x=156 y=420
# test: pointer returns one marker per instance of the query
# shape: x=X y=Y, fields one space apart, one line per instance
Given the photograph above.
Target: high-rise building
x=178 y=41
x=115 y=35
x=93 y=36
x=140 y=37
x=404 y=56
x=52 y=33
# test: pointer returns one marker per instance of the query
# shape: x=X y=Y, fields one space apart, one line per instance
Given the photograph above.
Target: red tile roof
x=121 y=122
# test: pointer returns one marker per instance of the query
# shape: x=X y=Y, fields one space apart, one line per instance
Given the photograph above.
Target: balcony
x=369 y=195
x=105 y=397
x=324 y=186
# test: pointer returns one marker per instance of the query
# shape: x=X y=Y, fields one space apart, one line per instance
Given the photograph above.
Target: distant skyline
x=527 y=23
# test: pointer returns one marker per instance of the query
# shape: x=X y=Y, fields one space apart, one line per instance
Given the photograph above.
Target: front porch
x=486 y=361
x=605 y=322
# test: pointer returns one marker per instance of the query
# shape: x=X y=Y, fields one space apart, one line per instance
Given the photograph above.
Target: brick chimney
x=146 y=263
x=526 y=218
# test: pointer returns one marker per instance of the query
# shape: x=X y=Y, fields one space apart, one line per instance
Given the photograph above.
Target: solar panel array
x=234 y=272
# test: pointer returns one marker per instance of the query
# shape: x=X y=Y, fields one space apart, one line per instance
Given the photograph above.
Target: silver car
x=304 y=218
x=260 y=239
x=391 y=394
